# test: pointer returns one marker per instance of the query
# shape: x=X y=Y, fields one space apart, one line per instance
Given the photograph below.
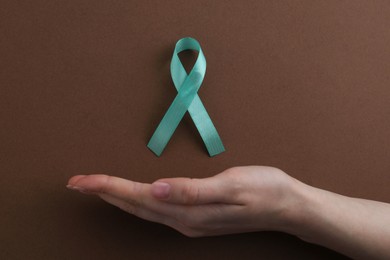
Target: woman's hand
x=240 y=199
x=252 y=198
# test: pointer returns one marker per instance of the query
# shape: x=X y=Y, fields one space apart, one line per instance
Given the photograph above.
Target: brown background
x=300 y=85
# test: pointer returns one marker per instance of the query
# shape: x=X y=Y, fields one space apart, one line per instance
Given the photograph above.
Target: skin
x=248 y=199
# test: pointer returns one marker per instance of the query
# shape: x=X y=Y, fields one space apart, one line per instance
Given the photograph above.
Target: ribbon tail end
x=216 y=152
x=155 y=151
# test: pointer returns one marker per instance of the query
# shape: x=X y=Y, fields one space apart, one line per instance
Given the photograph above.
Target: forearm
x=356 y=227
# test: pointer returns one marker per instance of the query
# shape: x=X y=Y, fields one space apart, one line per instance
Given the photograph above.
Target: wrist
x=310 y=211
x=302 y=204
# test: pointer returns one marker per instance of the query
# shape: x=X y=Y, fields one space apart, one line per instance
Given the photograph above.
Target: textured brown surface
x=301 y=85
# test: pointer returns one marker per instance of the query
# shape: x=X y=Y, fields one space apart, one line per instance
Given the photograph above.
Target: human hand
x=251 y=198
x=240 y=199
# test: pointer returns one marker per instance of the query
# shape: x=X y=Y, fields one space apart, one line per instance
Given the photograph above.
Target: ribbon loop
x=187 y=99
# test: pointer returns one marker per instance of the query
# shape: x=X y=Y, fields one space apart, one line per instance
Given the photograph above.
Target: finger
x=193 y=191
x=76 y=178
x=129 y=208
x=194 y=227
x=139 y=195
x=136 y=198
x=134 y=193
x=130 y=191
x=73 y=180
x=148 y=215
x=130 y=196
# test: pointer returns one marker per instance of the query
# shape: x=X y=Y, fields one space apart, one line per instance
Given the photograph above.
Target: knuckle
x=129 y=209
x=190 y=193
x=136 y=201
x=107 y=184
x=232 y=171
x=137 y=188
x=234 y=183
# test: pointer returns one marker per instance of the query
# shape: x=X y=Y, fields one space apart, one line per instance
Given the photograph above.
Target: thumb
x=191 y=191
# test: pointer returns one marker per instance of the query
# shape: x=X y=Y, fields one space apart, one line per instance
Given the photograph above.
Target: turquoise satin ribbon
x=187 y=99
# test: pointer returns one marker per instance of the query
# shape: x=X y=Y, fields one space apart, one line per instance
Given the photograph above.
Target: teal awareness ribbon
x=187 y=98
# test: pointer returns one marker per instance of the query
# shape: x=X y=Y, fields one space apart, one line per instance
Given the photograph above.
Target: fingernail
x=76 y=188
x=161 y=190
